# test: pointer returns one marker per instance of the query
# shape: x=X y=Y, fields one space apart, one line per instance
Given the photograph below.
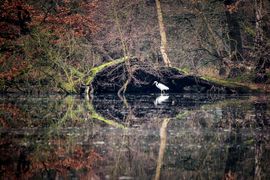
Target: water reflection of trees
x=227 y=113
x=162 y=147
x=48 y=161
x=224 y=139
x=195 y=148
x=144 y=107
x=38 y=138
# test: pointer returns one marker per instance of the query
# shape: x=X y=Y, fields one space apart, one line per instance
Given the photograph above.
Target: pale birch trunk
x=163 y=47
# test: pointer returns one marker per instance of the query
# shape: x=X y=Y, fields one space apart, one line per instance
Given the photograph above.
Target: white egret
x=160 y=99
x=160 y=86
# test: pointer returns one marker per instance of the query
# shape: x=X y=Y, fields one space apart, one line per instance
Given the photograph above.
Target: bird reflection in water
x=161 y=99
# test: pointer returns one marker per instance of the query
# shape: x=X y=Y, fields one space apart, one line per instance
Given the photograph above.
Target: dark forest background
x=52 y=45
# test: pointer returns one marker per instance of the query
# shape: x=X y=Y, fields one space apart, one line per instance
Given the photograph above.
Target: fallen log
x=111 y=77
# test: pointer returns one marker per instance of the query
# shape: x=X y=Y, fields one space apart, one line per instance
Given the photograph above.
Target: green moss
x=236 y=83
x=97 y=69
x=232 y=84
x=244 y=77
x=227 y=83
x=182 y=115
x=184 y=70
x=107 y=121
x=249 y=142
x=223 y=82
x=96 y=116
x=228 y=102
x=68 y=87
x=250 y=31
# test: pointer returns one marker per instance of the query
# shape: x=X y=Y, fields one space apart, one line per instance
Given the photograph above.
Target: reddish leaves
x=56 y=17
x=19 y=17
x=11 y=66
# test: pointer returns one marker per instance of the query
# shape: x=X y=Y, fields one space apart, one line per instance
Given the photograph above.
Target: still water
x=176 y=136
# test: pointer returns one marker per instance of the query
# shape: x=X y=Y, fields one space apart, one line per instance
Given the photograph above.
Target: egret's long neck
x=157 y=84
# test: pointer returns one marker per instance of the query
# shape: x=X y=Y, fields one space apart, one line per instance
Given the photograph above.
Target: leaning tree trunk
x=261 y=50
x=163 y=47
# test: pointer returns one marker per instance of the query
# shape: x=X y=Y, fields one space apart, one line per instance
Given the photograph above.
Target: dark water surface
x=180 y=136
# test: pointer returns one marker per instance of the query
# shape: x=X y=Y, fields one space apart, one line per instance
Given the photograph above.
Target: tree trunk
x=234 y=35
x=235 y=38
x=163 y=47
x=261 y=50
x=259 y=39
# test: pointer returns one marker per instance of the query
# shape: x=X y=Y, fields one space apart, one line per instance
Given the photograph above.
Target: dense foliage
x=43 y=43
x=52 y=45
